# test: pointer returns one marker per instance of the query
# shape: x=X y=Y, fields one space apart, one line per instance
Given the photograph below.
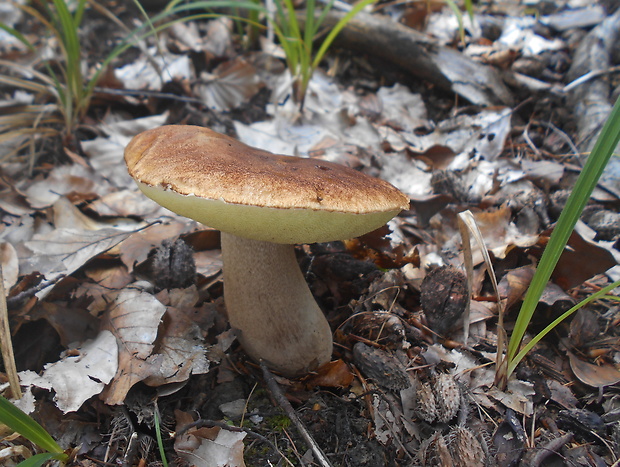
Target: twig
x=7 y=344
x=290 y=413
x=589 y=76
x=550 y=448
x=146 y=93
x=561 y=134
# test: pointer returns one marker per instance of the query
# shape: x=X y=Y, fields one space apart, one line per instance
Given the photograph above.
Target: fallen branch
x=422 y=56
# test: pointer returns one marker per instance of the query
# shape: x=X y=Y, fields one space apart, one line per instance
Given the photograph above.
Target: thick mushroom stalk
x=268 y=300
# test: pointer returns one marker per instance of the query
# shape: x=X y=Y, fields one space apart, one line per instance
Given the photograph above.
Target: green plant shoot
x=586 y=182
x=26 y=426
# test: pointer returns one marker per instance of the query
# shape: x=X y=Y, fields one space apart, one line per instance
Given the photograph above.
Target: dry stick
x=290 y=413
x=420 y=55
x=7 y=344
x=552 y=447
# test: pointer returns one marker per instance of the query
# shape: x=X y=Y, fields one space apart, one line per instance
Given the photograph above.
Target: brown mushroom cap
x=235 y=188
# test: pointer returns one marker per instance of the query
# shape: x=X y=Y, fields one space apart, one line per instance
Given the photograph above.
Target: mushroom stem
x=268 y=300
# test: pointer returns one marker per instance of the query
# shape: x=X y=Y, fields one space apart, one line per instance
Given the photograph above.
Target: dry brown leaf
x=334 y=374
x=499 y=233
x=68 y=216
x=222 y=448
x=562 y=394
x=208 y=263
x=208 y=447
x=136 y=248
x=96 y=295
x=219 y=40
x=556 y=298
x=482 y=311
x=514 y=284
x=593 y=375
x=63 y=251
x=12 y=200
x=105 y=153
x=181 y=346
x=63 y=180
x=125 y=203
x=584 y=329
x=10 y=265
x=111 y=277
x=134 y=319
x=582 y=259
x=518 y=396
x=71 y=323
x=230 y=85
x=79 y=376
x=401 y=109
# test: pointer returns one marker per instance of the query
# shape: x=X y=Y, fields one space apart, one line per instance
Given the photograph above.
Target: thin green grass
x=298 y=41
x=67 y=92
x=26 y=426
x=579 y=197
x=160 y=441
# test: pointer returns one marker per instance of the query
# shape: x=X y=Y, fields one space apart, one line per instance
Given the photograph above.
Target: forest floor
x=116 y=304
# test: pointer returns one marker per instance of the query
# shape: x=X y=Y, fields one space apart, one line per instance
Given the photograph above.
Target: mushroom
x=263 y=204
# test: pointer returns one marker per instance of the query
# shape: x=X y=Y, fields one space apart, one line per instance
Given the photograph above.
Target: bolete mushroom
x=263 y=204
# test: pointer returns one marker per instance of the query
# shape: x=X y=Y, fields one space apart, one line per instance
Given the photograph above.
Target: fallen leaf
x=125 y=203
x=112 y=277
x=182 y=349
x=10 y=265
x=401 y=108
x=593 y=375
x=152 y=71
x=229 y=85
x=225 y=449
x=63 y=180
x=584 y=328
x=105 y=153
x=335 y=374
x=517 y=396
x=386 y=427
x=67 y=216
x=499 y=233
x=514 y=284
x=562 y=394
x=582 y=259
x=72 y=324
x=76 y=378
x=63 y=251
x=134 y=319
x=136 y=248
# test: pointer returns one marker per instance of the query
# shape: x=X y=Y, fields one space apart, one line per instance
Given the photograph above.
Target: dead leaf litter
x=116 y=304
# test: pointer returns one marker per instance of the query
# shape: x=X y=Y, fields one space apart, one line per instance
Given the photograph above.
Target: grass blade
x=26 y=426
x=37 y=460
x=586 y=182
x=530 y=345
x=160 y=441
x=336 y=30
x=17 y=35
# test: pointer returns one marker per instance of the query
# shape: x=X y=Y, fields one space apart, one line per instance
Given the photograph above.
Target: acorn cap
x=235 y=188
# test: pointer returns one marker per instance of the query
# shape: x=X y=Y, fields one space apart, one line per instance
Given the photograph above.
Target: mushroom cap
x=230 y=186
